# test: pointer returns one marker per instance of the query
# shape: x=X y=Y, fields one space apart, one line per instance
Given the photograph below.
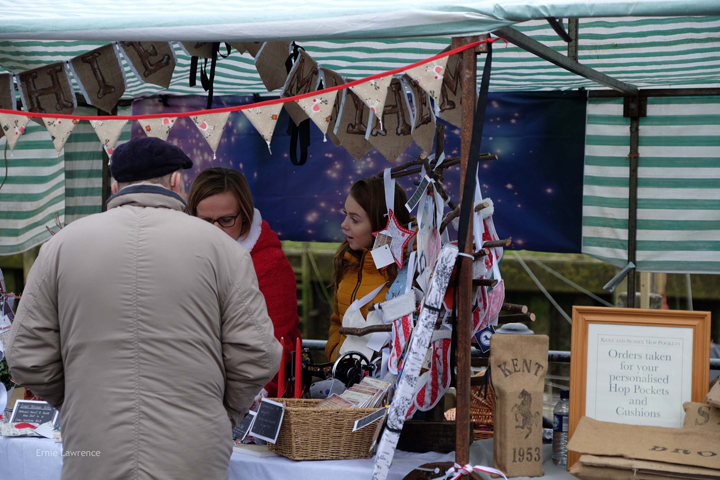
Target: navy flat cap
x=143 y=158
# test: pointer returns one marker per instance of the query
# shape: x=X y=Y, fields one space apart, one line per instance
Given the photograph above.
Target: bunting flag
x=351 y=126
x=392 y=130
x=430 y=76
x=401 y=330
x=423 y=117
x=211 y=126
x=13 y=126
x=47 y=90
x=60 y=130
x=373 y=93
x=264 y=119
x=198 y=49
x=251 y=47
x=157 y=127
x=330 y=78
x=100 y=77
x=437 y=380
x=108 y=131
x=270 y=63
x=7 y=92
x=152 y=62
x=449 y=107
x=319 y=108
x=303 y=78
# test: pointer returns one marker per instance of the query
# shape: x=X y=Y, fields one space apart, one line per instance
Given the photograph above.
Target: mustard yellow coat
x=355 y=284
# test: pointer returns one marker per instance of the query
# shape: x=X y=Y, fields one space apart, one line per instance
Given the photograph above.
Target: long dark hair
x=369 y=193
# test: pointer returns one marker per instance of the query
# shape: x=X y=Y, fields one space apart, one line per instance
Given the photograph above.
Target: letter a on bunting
x=264 y=119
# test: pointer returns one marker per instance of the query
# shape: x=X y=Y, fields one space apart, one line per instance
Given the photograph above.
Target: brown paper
x=47 y=90
x=198 y=49
x=153 y=62
x=713 y=398
x=7 y=92
x=101 y=77
x=251 y=47
x=518 y=366
x=333 y=79
x=658 y=444
x=303 y=78
x=701 y=416
x=352 y=125
x=451 y=92
x=649 y=468
x=270 y=64
x=423 y=117
x=393 y=134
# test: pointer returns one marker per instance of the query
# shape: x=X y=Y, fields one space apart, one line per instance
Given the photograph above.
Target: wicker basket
x=309 y=433
x=481 y=412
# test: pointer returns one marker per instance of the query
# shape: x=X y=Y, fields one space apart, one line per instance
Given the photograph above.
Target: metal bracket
x=634 y=107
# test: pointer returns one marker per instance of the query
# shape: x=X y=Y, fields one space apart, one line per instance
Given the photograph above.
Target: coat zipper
x=359 y=280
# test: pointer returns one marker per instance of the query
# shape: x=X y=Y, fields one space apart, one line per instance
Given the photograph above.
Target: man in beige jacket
x=145 y=327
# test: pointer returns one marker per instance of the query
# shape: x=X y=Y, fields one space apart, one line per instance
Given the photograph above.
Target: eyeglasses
x=225 y=222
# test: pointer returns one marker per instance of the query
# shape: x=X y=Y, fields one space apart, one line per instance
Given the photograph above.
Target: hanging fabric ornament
x=436 y=381
x=373 y=94
x=13 y=126
x=319 y=108
x=211 y=126
x=264 y=120
x=157 y=127
x=108 y=131
x=430 y=76
x=399 y=311
x=60 y=129
x=479 y=309
x=399 y=236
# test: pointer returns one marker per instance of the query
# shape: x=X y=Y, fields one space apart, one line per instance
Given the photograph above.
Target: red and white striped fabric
x=436 y=381
x=401 y=330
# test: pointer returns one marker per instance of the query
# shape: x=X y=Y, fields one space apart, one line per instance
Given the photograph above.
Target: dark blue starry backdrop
x=536 y=184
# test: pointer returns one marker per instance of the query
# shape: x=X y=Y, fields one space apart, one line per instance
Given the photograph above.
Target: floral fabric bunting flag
x=373 y=93
x=211 y=126
x=108 y=131
x=60 y=129
x=329 y=79
x=319 y=108
x=13 y=126
x=430 y=76
x=264 y=120
x=157 y=127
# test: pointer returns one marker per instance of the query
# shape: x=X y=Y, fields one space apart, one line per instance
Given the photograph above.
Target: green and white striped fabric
x=647 y=52
x=250 y=20
x=40 y=183
x=678 y=227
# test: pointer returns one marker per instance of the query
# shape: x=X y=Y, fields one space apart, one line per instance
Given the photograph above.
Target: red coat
x=277 y=283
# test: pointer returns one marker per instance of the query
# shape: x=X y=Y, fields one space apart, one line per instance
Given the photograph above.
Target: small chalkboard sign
x=268 y=421
x=367 y=420
x=242 y=428
x=33 y=411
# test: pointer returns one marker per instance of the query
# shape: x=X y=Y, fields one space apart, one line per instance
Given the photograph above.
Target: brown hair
x=213 y=181
x=369 y=193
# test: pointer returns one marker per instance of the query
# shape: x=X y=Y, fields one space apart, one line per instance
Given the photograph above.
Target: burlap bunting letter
x=351 y=125
x=47 y=90
x=303 y=78
x=152 y=62
x=100 y=77
x=392 y=133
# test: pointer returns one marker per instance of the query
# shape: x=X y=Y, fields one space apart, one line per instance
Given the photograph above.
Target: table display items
x=518 y=364
x=560 y=428
x=701 y=416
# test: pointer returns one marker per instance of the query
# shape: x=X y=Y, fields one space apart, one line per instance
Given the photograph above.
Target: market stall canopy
x=656 y=52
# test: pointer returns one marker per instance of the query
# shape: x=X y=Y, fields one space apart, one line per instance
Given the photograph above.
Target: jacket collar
x=251 y=237
x=147 y=195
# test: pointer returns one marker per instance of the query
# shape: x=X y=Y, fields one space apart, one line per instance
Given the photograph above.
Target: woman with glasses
x=221 y=196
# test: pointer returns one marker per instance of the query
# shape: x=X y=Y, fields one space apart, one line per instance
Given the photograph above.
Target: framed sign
x=33 y=411
x=637 y=366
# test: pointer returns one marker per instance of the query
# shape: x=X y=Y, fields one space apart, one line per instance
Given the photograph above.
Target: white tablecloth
x=32 y=458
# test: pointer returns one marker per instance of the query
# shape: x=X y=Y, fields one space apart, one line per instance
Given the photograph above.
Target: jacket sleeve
x=250 y=352
x=335 y=340
x=33 y=350
x=278 y=286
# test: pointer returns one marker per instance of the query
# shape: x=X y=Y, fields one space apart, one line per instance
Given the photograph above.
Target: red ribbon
x=25 y=425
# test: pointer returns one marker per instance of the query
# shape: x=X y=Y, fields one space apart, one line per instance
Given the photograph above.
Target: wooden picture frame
x=584 y=317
